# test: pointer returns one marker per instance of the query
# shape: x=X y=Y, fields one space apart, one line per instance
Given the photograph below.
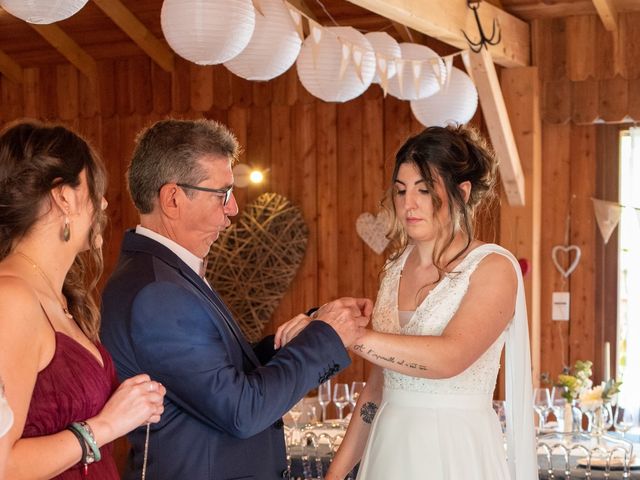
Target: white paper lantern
x=274 y=46
x=455 y=103
x=319 y=64
x=414 y=57
x=207 y=32
x=387 y=50
x=42 y=11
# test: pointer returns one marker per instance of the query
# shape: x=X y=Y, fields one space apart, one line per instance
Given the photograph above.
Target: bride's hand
x=288 y=330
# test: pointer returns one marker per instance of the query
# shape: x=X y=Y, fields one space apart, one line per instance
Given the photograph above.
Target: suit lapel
x=135 y=242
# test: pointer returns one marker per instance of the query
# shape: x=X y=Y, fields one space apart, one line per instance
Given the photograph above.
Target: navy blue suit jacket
x=223 y=407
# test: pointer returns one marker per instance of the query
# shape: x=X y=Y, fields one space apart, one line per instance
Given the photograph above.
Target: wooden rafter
x=69 y=49
x=10 y=68
x=138 y=32
x=608 y=14
x=447 y=19
x=499 y=126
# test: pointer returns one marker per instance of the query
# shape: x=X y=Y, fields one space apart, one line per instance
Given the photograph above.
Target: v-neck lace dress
x=435 y=428
x=73 y=387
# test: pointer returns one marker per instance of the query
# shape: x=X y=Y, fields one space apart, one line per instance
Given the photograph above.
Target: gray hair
x=169 y=150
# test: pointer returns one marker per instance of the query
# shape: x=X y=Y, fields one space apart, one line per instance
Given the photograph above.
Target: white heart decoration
x=566 y=249
x=373 y=229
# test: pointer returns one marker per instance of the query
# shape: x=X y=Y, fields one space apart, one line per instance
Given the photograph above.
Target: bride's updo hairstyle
x=452 y=154
x=35 y=158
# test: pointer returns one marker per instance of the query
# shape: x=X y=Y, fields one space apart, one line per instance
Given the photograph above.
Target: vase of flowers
x=596 y=402
x=572 y=383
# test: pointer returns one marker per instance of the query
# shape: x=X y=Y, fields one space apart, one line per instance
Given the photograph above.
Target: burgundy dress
x=72 y=388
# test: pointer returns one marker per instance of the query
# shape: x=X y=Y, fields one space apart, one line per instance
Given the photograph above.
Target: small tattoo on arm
x=368 y=411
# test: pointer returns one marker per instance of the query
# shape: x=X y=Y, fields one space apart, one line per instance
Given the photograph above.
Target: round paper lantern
x=207 y=32
x=319 y=64
x=387 y=50
x=42 y=11
x=427 y=83
x=456 y=102
x=274 y=46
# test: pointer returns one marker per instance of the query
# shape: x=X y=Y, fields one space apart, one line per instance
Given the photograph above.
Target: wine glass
x=354 y=393
x=341 y=397
x=324 y=397
x=624 y=419
x=557 y=405
x=542 y=405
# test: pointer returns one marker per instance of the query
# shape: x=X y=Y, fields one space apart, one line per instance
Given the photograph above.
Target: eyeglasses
x=221 y=191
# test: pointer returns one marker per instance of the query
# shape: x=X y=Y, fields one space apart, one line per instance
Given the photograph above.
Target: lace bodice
x=430 y=318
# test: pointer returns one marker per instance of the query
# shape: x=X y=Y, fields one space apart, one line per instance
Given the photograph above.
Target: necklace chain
x=48 y=282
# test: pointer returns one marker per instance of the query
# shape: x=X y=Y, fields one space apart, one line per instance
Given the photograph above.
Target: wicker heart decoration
x=373 y=229
x=253 y=262
x=566 y=249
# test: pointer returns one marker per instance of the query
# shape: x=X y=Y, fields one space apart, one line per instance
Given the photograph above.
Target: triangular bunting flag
x=448 y=66
x=467 y=64
x=607 y=216
x=382 y=66
x=400 y=74
x=258 y=6
x=297 y=20
x=357 y=55
x=344 y=61
x=436 y=65
x=316 y=35
x=416 y=70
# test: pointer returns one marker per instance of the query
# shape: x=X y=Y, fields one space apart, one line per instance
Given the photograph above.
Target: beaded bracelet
x=84 y=429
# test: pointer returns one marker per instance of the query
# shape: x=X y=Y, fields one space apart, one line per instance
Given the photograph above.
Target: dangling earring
x=66 y=229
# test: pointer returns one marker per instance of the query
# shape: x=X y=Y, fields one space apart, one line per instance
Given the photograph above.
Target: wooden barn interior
x=558 y=89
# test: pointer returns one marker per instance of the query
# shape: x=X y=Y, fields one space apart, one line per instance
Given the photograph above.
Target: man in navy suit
x=225 y=398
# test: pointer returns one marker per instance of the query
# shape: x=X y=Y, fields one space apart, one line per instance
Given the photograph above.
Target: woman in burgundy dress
x=59 y=380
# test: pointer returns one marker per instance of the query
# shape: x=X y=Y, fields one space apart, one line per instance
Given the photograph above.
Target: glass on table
x=324 y=397
x=354 y=393
x=624 y=419
x=341 y=398
x=541 y=405
x=558 y=403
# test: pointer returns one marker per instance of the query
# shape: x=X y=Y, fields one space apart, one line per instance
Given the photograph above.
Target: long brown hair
x=34 y=159
x=455 y=154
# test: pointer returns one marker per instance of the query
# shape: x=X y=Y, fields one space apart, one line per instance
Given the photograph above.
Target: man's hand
x=347 y=316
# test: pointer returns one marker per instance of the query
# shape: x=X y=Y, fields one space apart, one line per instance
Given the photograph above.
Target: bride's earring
x=66 y=229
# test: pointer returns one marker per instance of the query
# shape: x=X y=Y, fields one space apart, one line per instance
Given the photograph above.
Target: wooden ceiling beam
x=69 y=49
x=138 y=32
x=447 y=19
x=608 y=14
x=9 y=68
x=498 y=124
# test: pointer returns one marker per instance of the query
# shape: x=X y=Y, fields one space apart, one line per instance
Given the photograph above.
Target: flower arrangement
x=576 y=383
x=578 y=386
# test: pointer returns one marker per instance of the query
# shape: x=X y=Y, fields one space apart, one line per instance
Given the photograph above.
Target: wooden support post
x=520 y=225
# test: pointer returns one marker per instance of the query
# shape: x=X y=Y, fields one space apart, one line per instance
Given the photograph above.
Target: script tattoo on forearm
x=391 y=359
x=368 y=411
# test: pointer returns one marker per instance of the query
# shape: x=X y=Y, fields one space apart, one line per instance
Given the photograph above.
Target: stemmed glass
x=324 y=397
x=354 y=394
x=296 y=412
x=341 y=397
x=542 y=405
x=624 y=419
x=557 y=405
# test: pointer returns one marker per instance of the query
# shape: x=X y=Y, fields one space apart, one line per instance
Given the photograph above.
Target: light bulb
x=256 y=176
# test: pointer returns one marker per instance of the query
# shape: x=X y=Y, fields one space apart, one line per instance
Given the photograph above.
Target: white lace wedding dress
x=446 y=428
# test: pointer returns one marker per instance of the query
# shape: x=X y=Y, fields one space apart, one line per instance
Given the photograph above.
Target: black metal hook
x=484 y=40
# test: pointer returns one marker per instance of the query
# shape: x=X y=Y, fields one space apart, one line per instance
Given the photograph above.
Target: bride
x=447 y=304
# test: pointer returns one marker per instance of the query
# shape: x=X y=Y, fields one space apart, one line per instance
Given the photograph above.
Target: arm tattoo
x=368 y=411
x=391 y=359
